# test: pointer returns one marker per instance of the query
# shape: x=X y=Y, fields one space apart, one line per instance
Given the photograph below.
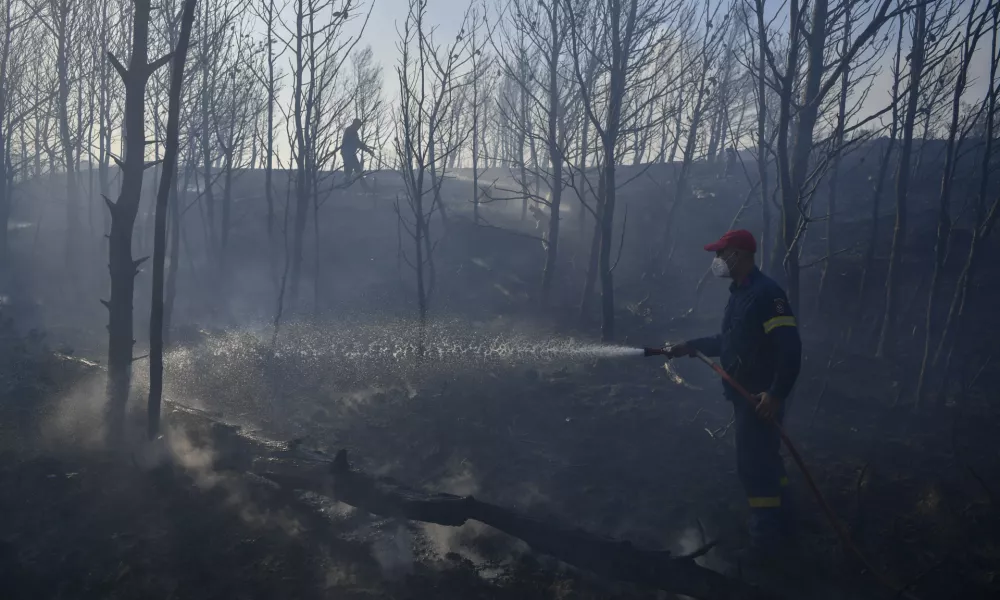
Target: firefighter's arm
x=709 y=346
x=782 y=330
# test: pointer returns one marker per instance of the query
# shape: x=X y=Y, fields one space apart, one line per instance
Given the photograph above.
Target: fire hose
x=831 y=517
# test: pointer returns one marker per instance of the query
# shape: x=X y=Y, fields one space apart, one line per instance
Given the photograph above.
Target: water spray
x=831 y=517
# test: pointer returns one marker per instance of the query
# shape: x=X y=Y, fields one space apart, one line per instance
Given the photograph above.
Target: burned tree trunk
x=763 y=148
x=123 y=268
x=687 y=160
x=269 y=162
x=425 y=82
x=5 y=176
x=986 y=212
x=972 y=36
x=595 y=248
x=207 y=103
x=524 y=130
x=838 y=142
x=612 y=128
x=555 y=151
x=176 y=222
x=63 y=29
x=160 y=228
x=887 y=335
x=868 y=264
x=300 y=156
x=792 y=200
x=476 y=125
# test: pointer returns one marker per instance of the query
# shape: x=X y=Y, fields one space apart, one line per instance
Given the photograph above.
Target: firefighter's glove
x=678 y=350
x=767 y=406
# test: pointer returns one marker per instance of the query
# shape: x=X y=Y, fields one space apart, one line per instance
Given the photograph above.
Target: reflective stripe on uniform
x=784 y=481
x=771 y=324
x=765 y=501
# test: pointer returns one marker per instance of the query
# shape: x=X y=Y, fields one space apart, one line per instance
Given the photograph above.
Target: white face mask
x=720 y=268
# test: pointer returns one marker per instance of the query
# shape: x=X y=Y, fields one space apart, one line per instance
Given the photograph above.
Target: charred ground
x=614 y=447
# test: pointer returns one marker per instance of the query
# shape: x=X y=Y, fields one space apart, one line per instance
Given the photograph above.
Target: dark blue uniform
x=760 y=348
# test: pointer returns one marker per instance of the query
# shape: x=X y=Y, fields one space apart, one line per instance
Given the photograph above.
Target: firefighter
x=541 y=218
x=730 y=163
x=760 y=348
x=349 y=147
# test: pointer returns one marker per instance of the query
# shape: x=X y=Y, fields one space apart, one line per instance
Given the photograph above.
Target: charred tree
x=171 y=143
x=794 y=148
x=706 y=57
x=61 y=21
x=6 y=171
x=885 y=159
x=838 y=141
x=318 y=50
x=122 y=267
x=553 y=52
x=763 y=147
x=887 y=334
x=986 y=209
x=975 y=25
x=631 y=29
x=427 y=76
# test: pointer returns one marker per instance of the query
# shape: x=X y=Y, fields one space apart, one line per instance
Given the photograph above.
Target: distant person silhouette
x=349 y=152
x=542 y=219
x=730 y=162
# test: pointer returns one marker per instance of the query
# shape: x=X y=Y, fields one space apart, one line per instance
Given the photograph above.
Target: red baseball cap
x=740 y=239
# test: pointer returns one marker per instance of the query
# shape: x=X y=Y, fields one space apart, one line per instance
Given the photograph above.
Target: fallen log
x=614 y=559
x=291 y=466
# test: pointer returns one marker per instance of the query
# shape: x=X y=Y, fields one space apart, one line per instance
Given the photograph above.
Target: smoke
x=394 y=553
x=397 y=546
x=461 y=483
x=693 y=539
x=196 y=456
x=77 y=418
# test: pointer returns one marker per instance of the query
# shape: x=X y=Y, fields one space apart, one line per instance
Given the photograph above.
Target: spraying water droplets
x=242 y=373
x=401 y=348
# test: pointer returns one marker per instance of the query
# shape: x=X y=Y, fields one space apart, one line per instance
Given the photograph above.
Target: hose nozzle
x=654 y=352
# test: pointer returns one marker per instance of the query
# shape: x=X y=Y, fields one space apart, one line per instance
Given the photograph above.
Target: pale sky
x=446 y=16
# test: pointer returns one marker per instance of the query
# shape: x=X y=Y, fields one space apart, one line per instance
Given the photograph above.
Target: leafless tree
x=986 y=207
x=269 y=13
x=477 y=89
x=808 y=39
x=62 y=19
x=926 y=48
x=540 y=31
x=318 y=46
x=708 y=63
x=236 y=103
x=633 y=29
x=885 y=159
x=217 y=23
x=122 y=267
x=856 y=83
x=113 y=24
x=428 y=74
x=13 y=69
x=517 y=60
x=977 y=19
x=171 y=143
